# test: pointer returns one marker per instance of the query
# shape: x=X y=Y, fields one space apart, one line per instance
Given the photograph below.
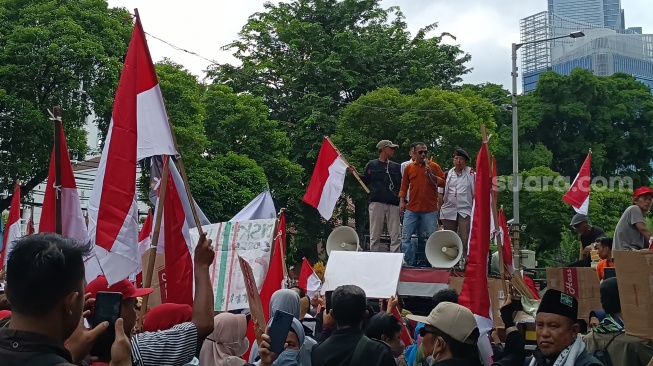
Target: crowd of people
x=416 y=198
x=49 y=305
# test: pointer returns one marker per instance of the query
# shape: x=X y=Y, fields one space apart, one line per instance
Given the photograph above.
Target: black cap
x=461 y=152
x=556 y=302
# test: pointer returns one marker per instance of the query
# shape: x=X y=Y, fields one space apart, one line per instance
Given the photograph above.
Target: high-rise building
x=607 y=47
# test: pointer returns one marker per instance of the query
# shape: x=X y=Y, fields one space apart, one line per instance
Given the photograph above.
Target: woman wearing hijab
x=227 y=344
x=288 y=301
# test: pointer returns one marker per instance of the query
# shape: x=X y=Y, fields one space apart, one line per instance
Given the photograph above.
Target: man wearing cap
x=383 y=177
x=557 y=334
x=589 y=234
x=610 y=335
x=176 y=346
x=457 y=197
x=449 y=336
x=631 y=232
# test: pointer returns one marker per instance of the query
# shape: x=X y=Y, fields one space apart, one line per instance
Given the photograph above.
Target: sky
x=483 y=28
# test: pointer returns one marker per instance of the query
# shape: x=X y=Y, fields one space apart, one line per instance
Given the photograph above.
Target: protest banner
x=361 y=269
x=252 y=240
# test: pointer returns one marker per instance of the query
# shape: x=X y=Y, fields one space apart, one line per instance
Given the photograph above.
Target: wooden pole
x=358 y=177
x=156 y=230
x=57 y=169
x=184 y=177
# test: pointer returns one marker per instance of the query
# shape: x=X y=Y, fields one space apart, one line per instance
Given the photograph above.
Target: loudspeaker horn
x=343 y=238
x=443 y=249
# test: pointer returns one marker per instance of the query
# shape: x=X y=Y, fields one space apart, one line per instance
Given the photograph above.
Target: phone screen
x=327 y=297
x=281 y=324
x=107 y=307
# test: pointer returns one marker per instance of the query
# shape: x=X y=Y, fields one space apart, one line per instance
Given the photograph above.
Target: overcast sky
x=484 y=28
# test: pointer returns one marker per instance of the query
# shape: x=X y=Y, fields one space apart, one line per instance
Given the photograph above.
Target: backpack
x=602 y=354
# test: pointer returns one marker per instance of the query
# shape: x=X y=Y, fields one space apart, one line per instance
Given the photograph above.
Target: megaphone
x=444 y=249
x=342 y=238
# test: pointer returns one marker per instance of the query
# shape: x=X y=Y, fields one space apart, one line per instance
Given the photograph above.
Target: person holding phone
x=45 y=286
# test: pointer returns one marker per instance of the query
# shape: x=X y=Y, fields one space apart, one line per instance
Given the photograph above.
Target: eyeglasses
x=422 y=152
x=423 y=332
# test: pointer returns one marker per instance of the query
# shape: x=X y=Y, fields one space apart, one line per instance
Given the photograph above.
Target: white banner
x=362 y=269
x=252 y=240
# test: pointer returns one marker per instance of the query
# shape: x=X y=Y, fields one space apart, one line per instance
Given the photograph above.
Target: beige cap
x=454 y=320
x=385 y=143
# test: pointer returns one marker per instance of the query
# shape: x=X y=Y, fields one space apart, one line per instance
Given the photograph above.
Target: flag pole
x=156 y=230
x=353 y=170
x=57 y=169
x=184 y=177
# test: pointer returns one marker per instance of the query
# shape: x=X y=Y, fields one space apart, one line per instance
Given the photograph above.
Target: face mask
x=288 y=357
x=430 y=360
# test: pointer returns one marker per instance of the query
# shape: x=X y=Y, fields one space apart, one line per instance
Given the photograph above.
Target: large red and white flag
x=578 y=195
x=73 y=223
x=475 y=294
x=308 y=280
x=139 y=128
x=506 y=246
x=12 y=227
x=178 y=261
x=327 y=180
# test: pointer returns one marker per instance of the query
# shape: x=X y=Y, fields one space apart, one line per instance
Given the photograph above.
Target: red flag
x=274 y=278
x=475 y=294
x=73 y=223
x=327 y=180
x=308 y=280
x=30 y=223
x=405 y=334
x=139 y=128
x=144 y=242
x=506 y=246
x=12 y=226
x=578 y=195
x=179 y=265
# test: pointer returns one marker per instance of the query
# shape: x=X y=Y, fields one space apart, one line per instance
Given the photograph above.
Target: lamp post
x=516 y=229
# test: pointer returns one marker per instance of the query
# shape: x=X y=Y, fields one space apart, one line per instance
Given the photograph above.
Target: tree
x=224 y=184
x=308 y=58
x=611 y=115
x=54 y=52
x=442 y=119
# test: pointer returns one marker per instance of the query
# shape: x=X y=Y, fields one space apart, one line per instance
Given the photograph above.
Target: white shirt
x=458 y=194
x=403 y=167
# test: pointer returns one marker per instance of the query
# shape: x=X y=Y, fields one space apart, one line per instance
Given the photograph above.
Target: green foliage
x=224 y=184
x=611 y=115
x=54 y=52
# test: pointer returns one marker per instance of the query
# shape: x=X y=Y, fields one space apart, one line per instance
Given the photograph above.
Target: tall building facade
x=607 y=48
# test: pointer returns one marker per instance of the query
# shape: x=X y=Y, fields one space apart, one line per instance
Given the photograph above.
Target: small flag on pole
x=578 y=195
x=327 y=180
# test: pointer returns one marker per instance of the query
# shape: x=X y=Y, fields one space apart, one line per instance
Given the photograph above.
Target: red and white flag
x=12 y=227
x=29 y=230
x=139 y=128
x=327 y=180
x=73 y=223
x=144 y=242
x=578 y=195
x=178 y=261
x=506 y=246
x=308 y=280
x=475 y=294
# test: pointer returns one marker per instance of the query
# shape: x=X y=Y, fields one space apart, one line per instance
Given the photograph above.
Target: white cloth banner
x=251 y=240
x=362 y=269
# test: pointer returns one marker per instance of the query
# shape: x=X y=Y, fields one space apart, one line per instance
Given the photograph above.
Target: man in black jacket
x=383 y=178
x=347 y=345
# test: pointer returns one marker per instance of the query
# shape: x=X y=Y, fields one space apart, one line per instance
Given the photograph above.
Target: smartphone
x=107 y=307
x=327 y=297
x=281 y=324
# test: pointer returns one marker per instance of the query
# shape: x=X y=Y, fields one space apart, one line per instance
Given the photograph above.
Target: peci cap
x=556 y=302
x=125 y=287
x=462 y=153
x=642 y=191
x=578 y=218
x=454 y=320
x=385 y=143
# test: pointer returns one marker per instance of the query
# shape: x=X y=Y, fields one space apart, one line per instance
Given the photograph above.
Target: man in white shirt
x=457 y=197
x=411 y=153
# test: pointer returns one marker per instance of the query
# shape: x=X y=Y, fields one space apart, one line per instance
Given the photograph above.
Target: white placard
x=376 y=273
x=252 y=240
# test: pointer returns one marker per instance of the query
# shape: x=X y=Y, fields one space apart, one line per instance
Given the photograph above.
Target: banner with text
x=251 y=240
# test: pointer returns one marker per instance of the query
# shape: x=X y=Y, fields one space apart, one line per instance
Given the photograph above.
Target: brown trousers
x=461 y=226
x=381 y=213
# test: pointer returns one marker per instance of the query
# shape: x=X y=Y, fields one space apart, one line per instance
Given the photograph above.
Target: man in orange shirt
x=422 y=177
x=604 y=246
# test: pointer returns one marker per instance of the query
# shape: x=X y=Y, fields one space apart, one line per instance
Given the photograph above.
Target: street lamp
x=515 y=148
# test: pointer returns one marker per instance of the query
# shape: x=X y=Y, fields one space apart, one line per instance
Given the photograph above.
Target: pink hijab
x=226 y=345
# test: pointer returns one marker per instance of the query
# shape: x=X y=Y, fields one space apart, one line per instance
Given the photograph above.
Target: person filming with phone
x=45 y=286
